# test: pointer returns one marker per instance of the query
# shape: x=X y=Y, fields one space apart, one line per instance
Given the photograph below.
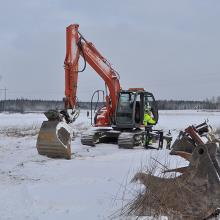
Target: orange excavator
x=119 y=120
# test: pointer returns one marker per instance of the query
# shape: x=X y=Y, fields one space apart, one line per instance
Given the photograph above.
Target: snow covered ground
x=94 y=184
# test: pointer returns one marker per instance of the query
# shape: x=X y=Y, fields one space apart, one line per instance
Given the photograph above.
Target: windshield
x=125 y=108
x=148 y=102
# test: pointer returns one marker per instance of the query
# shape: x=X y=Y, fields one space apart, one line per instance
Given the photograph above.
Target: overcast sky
x=169 y=47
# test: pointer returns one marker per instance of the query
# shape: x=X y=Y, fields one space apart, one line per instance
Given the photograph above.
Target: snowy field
x=94 y=184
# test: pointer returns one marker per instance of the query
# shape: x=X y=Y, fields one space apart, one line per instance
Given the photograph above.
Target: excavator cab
x=129 y=118
x=130 y=108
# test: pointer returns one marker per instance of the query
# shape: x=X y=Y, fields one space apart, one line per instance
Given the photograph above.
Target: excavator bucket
x=182 y=143
x=190 y=138
x=193 y=195
x=54 y=139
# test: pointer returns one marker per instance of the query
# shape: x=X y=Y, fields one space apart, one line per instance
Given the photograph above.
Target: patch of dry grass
x=184 y=197
x=20 y=132
x=145 y=204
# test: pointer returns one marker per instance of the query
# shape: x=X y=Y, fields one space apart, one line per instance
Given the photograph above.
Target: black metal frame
x=134 y=124
x=96 y=104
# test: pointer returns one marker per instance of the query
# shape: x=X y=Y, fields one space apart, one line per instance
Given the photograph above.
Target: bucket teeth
x=178 y=170
x=183 y=154
x=54 y=139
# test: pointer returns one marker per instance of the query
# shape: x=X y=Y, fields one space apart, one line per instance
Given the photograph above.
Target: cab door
x=150 y=103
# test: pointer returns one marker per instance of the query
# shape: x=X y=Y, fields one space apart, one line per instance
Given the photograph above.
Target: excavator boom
x=76 y=46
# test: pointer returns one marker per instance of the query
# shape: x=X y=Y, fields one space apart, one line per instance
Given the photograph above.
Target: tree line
x=26 y=105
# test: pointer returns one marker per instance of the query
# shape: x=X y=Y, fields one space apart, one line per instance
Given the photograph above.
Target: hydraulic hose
x=83 y=55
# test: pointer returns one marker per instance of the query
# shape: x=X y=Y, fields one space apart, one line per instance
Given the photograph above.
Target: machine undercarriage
x=126 y=139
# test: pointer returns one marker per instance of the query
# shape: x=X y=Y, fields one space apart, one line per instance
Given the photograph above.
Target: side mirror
x=87 y=114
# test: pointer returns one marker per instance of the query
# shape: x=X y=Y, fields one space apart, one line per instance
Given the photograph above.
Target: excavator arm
x=76 y=46
x=71 y=67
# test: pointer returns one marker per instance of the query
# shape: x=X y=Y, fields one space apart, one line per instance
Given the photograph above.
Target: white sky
x=169 y=47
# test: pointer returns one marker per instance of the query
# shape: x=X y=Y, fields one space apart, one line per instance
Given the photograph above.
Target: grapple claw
x=178 y=170
x=193 y=195
x=183 y=154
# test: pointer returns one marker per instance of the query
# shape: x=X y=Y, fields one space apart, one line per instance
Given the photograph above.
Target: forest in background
x=26 y=105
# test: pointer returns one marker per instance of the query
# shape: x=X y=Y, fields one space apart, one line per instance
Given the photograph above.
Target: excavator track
x=104 y=135
x=54 y=139
x=129 y=140
x=126 y=140
x=90 y=138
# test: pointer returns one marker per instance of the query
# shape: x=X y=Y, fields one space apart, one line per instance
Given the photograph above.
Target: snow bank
x=93 y=185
